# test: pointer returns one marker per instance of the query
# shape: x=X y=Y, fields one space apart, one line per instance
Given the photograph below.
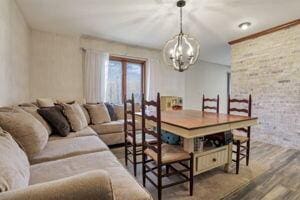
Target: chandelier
x=183 y=50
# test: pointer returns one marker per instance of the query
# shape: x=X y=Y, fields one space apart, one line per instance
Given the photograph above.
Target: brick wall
x=268 y=67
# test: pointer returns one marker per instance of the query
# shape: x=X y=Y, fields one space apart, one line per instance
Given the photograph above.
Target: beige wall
x=209 y=79
x=268 y=67
x=56 y=69
x=14 y=54
x=56 y=66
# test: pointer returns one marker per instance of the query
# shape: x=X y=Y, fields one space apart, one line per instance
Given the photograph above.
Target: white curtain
x=152 y=79
x=95 y=73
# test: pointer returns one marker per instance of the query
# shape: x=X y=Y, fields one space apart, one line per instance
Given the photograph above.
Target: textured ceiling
x=150 y=23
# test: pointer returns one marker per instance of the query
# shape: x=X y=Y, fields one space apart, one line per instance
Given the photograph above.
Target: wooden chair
x=241 y=142
x=206 y=107
x=158 y=155
x=133 y=138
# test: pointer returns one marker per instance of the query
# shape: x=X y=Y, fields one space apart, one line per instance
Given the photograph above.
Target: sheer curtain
x=152 y=79
x=95 y=73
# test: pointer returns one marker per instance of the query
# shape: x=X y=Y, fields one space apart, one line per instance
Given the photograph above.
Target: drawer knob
x=214 y=159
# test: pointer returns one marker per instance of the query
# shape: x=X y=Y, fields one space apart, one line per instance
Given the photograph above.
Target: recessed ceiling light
x=245 y=25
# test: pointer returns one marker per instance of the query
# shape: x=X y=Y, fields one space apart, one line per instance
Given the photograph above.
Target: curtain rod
x=120 y=55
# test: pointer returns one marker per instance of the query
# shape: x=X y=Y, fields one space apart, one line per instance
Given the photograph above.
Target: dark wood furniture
x=131 y=145
x=206 y=107
x=241 y=142
x=133 y=138
x=158 y=155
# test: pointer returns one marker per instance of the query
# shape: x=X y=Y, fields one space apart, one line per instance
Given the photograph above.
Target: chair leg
x=248 y=152
x=134 y=159
x=192 y=174
x=126 y=152
x=238 y=149
x=159 y=182
x=144 y=169
x=167 y=169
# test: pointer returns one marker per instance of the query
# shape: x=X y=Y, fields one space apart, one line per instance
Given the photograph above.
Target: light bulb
x=244 y=26
x=190 y=52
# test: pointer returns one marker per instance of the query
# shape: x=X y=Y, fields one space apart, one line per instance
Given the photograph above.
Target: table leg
x=188 y=145
x=227 y=166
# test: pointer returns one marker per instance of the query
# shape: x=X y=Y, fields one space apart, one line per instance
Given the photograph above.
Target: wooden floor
x=280 y=178
x=280 y=181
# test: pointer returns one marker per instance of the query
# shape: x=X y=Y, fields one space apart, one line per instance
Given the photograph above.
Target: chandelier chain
x=180 y=19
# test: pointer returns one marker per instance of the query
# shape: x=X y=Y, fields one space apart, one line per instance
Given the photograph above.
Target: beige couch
x=79 y=166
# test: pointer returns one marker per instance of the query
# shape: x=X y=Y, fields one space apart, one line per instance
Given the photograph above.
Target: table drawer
x=212 y=160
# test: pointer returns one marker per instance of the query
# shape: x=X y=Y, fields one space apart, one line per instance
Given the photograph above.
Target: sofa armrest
x=93 y=185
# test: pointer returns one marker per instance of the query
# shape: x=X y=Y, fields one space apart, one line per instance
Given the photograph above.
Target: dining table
x=192 y=124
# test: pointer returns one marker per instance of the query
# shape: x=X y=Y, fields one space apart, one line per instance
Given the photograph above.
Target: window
x=125 y=76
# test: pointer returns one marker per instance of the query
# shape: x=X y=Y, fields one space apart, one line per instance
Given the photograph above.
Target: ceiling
x=149 y=23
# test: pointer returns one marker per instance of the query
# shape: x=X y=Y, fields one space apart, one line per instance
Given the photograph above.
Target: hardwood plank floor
x=280 y=181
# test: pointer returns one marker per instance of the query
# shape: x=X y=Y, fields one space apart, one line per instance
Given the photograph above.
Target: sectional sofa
x=79 y=166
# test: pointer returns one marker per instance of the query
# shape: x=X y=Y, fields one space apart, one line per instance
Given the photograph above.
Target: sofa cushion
x=109 y=127
x=25 y=129
x=75 y=116
x=32 y=109
x=14 y=165
x=138 y=124
x=86 y=114
x=113 y=127
x=53 y=115
x=125 y=187
x=64 y=148
x=87 y=131
x=45 y=102
x=111 y=111
x=119 y=110
x=113 y=138
x=98 y=113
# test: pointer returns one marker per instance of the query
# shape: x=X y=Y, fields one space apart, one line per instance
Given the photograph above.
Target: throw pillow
x=56 y=119
x=26 y=129
x=45 y=102
x=33 y=111
x=14 y=165
x=86 y=113
x=75 y=116
x=98 y=113
x=119 y=110
x=111 y=111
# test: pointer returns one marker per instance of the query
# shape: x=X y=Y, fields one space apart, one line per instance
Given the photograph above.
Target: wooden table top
x=195 y=119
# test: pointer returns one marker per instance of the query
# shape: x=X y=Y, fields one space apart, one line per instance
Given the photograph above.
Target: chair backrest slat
x=152 y=118
x=150 y=132
x=205 y=107
x=239 y=110
x=239 y=100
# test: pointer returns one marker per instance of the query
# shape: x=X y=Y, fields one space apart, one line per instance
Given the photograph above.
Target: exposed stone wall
x=268 y=67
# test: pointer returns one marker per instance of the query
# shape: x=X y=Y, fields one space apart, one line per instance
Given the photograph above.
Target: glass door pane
x=114 y=82
x=134 y=81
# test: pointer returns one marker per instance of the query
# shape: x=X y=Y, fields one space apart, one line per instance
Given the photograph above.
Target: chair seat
x=138 y=138
x=169 y=153
x=240 y=138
